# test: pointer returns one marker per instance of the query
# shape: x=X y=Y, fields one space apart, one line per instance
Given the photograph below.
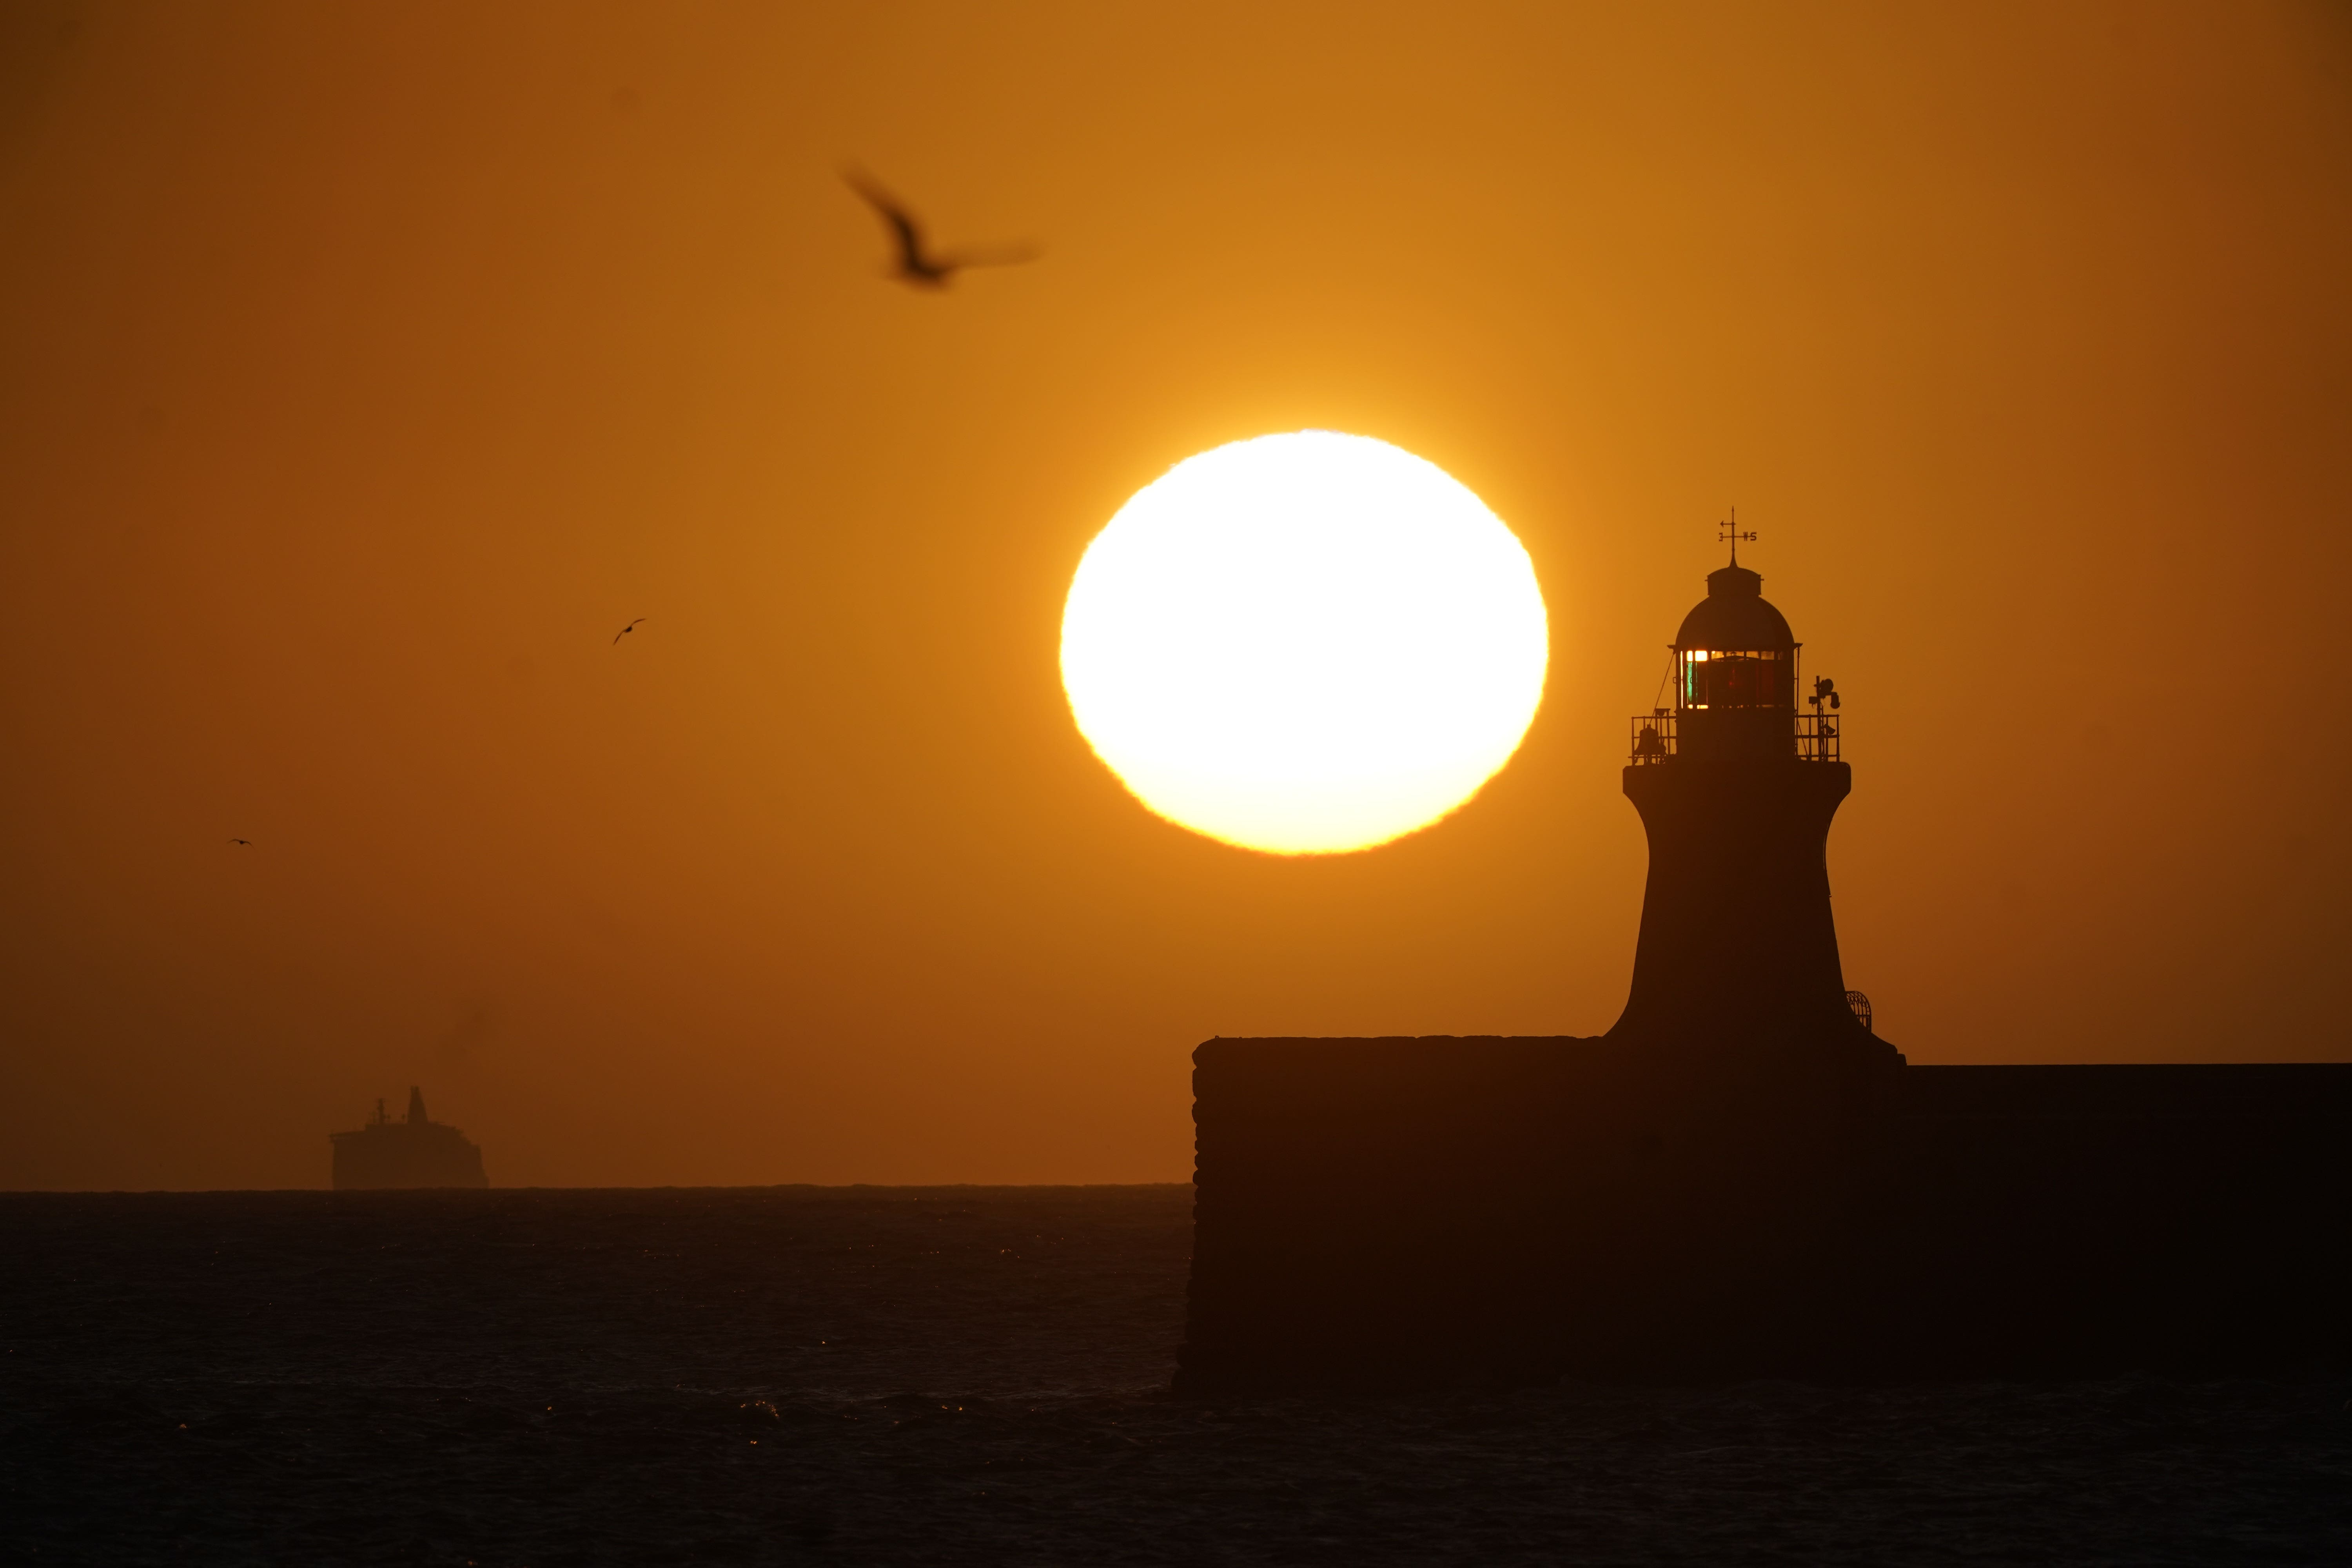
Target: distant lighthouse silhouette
x=1740 y=1179
x=1736 y=789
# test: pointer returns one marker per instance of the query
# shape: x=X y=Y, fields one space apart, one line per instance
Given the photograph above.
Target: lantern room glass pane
x=1716 y=679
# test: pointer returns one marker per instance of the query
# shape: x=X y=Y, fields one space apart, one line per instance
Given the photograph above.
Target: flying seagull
x=917 y=266
x=632 y=625
x=247 y=842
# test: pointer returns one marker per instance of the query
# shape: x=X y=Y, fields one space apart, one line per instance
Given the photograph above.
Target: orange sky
x=367 y=366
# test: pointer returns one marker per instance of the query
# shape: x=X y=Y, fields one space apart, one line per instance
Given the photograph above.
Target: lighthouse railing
x=1656 y=738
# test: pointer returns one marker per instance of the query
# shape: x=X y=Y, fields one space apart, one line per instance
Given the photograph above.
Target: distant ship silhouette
x=416 y=1152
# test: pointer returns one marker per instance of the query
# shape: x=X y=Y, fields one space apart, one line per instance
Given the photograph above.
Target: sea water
x=969 y=1376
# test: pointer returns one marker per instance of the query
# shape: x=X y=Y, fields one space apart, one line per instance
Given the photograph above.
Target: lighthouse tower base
x=1390 y=1213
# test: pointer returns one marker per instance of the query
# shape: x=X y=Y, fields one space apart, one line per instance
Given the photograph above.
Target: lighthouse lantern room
x=1735 y=682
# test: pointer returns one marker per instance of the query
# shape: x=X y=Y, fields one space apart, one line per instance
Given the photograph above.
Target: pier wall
x=1393 y=1213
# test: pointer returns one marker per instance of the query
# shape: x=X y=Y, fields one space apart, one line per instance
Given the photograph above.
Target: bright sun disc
x=1303 y=644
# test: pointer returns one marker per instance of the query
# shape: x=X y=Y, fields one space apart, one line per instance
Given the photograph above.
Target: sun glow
x=1303 y=644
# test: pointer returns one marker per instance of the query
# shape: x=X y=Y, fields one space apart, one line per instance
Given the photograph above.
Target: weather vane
x=1730 y=531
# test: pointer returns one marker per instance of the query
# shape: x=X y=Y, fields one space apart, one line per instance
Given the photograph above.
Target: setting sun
x=1303 y=644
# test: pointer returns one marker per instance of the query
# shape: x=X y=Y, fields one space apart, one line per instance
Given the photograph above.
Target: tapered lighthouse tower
x=1736 y=784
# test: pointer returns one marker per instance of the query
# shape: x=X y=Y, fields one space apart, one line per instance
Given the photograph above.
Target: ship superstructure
x=415 y=1153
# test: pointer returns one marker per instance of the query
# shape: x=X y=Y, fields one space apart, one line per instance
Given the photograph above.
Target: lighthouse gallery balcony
x=1812 y=737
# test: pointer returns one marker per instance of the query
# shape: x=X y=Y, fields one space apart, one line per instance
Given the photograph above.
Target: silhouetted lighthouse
x=1740 y=1180
x=1736 y=788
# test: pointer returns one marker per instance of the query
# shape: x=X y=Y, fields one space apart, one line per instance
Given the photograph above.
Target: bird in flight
x=917 y=266
x=247 y=842
x=632 y=625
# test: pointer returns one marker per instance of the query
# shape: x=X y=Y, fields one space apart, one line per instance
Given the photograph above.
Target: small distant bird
x=247 y=842
x=919 y=268
x=632 y=625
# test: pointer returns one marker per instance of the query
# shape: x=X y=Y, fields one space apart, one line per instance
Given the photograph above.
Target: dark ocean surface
x=969 y=1376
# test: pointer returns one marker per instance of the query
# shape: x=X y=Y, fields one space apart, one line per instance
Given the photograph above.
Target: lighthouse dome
x=1735 y=615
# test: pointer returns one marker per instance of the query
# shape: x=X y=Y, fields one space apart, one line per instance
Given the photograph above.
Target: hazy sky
x=367 y=366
